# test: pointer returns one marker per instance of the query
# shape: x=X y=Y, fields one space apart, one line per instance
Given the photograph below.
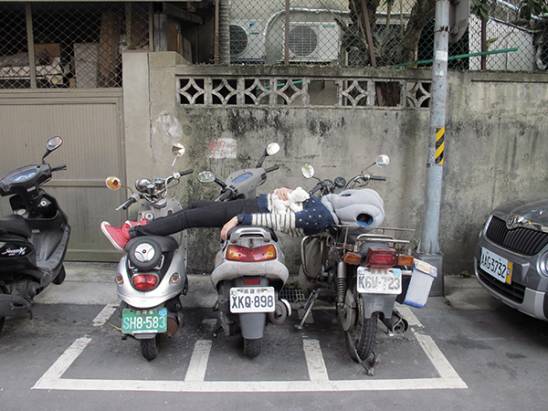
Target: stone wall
x=497 y=137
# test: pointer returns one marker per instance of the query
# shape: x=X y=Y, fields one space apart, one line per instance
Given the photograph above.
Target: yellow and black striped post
x=439 y=155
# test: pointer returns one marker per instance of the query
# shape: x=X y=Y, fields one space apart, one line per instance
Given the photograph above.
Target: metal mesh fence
x=378 y=33
x=72 y=45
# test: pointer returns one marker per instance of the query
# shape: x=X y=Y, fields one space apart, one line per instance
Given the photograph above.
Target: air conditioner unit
x=246 y=41
x=313 y=42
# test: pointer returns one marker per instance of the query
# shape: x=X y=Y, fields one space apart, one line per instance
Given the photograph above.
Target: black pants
x=198 y=214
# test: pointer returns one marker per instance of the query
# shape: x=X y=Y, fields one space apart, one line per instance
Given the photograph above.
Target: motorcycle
x=33 y=240
x=361 y=272
x=151 y=276
x=249 y=268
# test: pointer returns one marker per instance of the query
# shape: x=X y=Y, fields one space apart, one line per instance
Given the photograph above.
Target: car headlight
x=542 y=264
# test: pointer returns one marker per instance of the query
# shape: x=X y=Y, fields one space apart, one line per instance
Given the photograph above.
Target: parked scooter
x=33 y=240
x=361 y=272
x=249 y=268
x=151 y=277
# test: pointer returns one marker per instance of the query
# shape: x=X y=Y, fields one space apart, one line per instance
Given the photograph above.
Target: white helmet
x=360 y=208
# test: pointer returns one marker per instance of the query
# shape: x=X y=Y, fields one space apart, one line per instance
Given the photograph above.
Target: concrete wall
x=496 y=147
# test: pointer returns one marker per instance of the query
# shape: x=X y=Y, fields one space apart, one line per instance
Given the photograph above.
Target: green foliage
x=529 y=8
x=480 y=8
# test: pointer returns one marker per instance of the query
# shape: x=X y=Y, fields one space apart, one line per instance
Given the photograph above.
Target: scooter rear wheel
x=149 y=348
x=252 y=348
x=60 y=276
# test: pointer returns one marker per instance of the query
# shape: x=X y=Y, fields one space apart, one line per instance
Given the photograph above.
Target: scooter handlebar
x=125 y=205
x=59 y=168
x=186 y=172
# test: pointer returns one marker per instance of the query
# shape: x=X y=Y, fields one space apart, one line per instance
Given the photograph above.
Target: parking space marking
x=104 y=315
x=198 y=361
x=317 y=371
x=448 y=379
x=434 y=354
x=56 y=371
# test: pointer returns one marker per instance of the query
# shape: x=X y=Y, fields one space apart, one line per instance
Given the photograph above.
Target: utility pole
x=429 y=248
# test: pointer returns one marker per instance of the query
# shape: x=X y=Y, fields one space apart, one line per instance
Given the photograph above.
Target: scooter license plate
x=252 y=300
x=144 y=321
x=379 y=281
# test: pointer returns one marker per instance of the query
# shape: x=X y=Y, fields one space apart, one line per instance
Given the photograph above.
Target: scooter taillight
x=145 y=282
x=381 y=258
x=251 y=255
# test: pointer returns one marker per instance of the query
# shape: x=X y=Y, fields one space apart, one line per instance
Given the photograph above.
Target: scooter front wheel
x=252 y=347
x=149 y=348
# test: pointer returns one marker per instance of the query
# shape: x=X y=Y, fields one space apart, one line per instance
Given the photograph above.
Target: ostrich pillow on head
x=361 y=208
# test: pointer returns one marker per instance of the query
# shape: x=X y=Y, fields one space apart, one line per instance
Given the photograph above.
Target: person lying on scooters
x=285 y=210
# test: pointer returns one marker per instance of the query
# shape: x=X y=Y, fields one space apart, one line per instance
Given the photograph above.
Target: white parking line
x=439 y=361
x=56 y=371
x=104 y=315
x=410 y=316
x=198 y=361
x=52 y=378
x=317 y=370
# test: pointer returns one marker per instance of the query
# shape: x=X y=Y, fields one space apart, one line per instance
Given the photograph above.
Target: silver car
x=511 y=259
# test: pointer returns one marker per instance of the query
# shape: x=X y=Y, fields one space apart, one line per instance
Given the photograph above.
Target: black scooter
x=33 y=240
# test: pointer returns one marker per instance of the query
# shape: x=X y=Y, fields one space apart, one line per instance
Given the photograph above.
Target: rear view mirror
x=382 y=160
x=307 y=170
x=206 y=177
x=53 y=144
x=113 y=183
x=272 y=149
x=178 y=150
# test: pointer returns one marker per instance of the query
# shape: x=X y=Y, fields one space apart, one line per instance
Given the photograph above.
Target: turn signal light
x=405 y=261
x=381 y=258
x=145 y=282
x=251 y=255
x=352 y=258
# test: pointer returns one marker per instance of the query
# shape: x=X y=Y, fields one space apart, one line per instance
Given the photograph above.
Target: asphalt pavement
x=462 y=352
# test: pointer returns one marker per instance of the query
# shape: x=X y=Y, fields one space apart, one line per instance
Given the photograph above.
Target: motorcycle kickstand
x=308 y=308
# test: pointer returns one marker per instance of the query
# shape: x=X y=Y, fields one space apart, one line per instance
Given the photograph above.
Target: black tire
x=365 y=346
x=362 y=338
x=61 y=275
x=252 y=348
x=149 y=348
x=2 y=319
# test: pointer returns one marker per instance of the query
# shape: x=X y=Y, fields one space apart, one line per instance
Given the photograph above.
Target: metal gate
x=90 y=123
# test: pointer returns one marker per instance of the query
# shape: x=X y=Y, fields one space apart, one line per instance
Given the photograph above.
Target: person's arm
x=287 y=222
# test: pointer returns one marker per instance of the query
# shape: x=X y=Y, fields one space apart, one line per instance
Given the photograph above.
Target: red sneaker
x=118 y=236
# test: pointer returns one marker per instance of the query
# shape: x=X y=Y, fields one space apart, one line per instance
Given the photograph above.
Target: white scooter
x=249 y=268
x=151 y=277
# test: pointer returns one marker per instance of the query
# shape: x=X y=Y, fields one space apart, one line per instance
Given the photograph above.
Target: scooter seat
x=15 y=224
